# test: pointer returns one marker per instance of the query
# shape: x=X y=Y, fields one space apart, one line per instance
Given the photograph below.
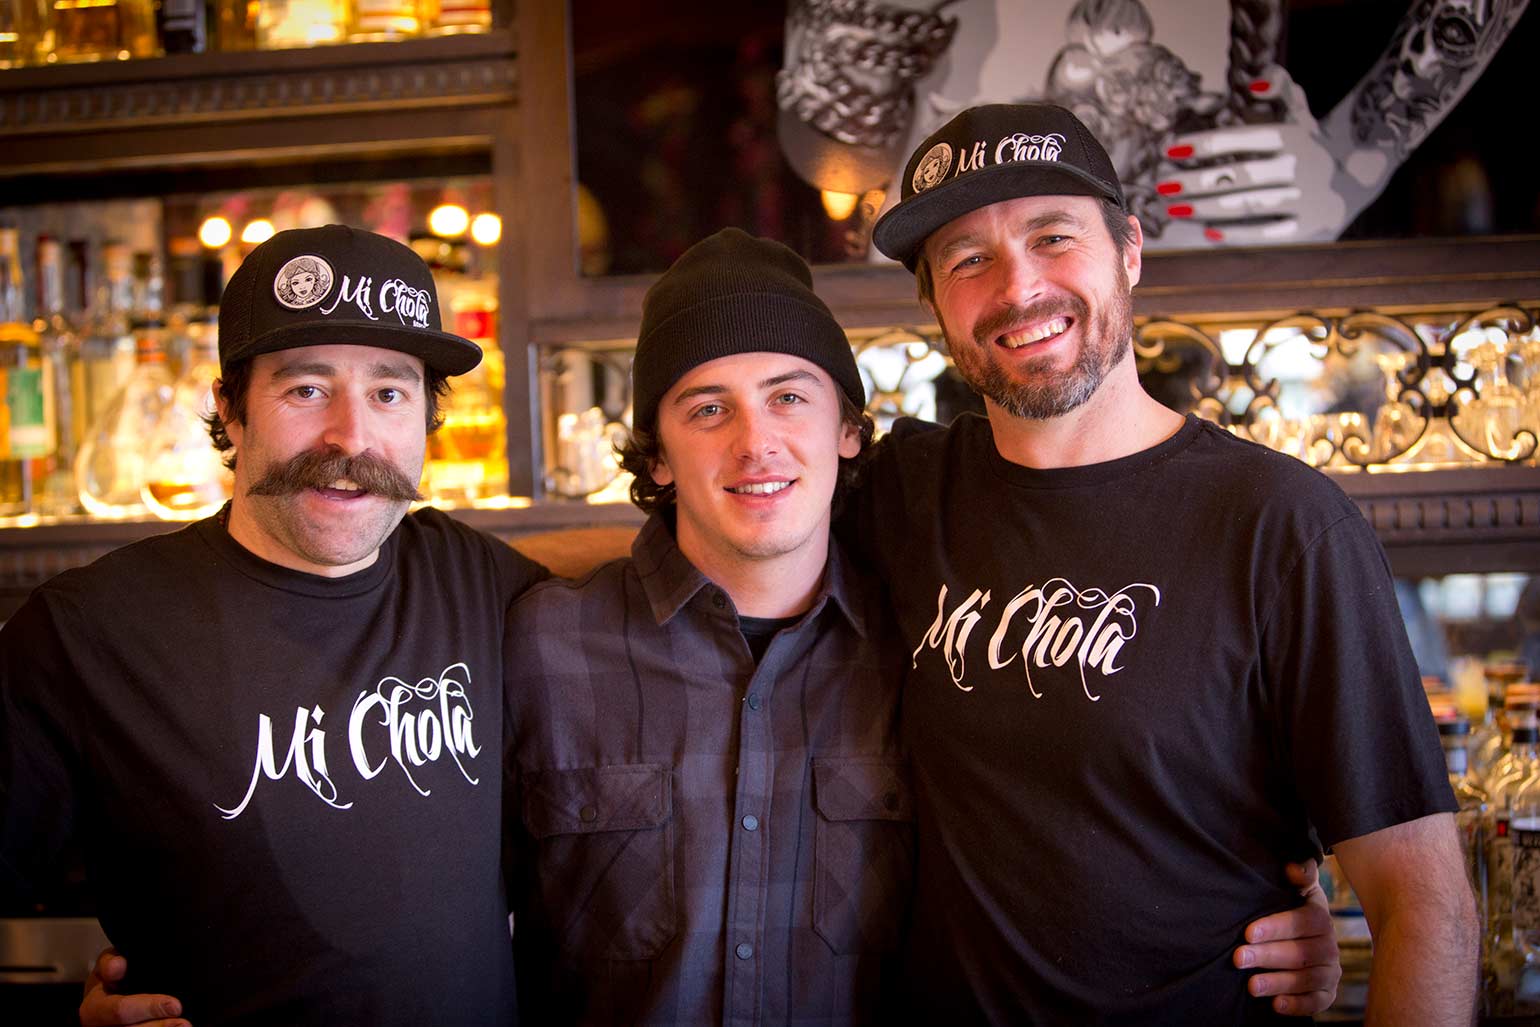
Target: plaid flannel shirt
x=694 y=838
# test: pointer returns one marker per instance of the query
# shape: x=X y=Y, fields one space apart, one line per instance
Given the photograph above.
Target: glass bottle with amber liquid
x=24 y=437
x=102 y=30
x=24 y=34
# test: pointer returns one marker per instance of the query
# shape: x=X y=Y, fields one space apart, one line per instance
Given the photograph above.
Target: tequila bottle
x=60 y=349
x=286 y=24
x=110 y=470
x=467 y=456
x=379 y=21
x=451 y=17
x=1503 y=956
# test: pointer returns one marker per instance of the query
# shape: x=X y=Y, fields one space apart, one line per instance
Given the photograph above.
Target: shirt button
x=588 y=814
x=744 y=950
x=754 y=703
x=718 y=600
x=751 y=823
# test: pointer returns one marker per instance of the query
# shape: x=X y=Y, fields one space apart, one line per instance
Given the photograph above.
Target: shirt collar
x=670 y=580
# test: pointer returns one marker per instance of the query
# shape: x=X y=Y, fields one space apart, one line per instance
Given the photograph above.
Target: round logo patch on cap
x=932 y=167
x=303 y=282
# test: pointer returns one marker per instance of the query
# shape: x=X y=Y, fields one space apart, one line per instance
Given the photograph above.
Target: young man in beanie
x=710 y=816
x=277 y=732
x=1147 y=657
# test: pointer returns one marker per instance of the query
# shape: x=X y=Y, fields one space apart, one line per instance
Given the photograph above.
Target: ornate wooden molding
x=259 y=95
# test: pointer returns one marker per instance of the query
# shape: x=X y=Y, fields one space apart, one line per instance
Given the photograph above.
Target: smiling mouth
x=759 y=488
x=346 y=486
x=1047 y=330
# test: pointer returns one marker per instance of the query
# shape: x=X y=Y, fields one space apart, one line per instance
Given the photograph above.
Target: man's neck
x=770 y=587
x=1120 y=419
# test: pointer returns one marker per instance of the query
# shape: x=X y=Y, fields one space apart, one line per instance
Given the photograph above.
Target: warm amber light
x=486 y=229
x=839 y=206
x=214 y=232
x=259 y=230
x=448 y=220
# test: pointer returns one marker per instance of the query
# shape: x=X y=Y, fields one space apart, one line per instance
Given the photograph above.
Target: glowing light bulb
x=448 y=220
x=839 y=206
x=257 y=231
x=214 y=232
x=486 y=229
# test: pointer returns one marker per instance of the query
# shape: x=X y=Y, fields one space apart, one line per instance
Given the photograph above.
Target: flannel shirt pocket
x=605 y=858
x=863 y=852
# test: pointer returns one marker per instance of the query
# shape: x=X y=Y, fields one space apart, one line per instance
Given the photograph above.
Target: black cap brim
x=445 y=353
x=902 y=231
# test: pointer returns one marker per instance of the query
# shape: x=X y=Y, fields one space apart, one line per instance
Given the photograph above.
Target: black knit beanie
x=728 y=294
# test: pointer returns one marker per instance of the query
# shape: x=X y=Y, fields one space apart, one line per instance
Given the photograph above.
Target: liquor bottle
x=238 y=24
x=467 y=456
x=286 y=24
x=1454 y=733
x=24 y=440
x=110 y=469
x=183 y=25
x=1504 y=959
x=60 y=348
x=1523 y=956
x=102 y=30
x=107 y=349
x=1489 y=740
x=23 y=32
x=185 y=478
x=451 y=17
x=384 y=21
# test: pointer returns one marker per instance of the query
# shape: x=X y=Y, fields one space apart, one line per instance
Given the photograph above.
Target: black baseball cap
x=987 y=154
x=319 y=286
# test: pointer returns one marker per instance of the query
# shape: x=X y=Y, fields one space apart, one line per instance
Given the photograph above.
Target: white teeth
x=1055 y=327
x=344 y=485
x=766 y=488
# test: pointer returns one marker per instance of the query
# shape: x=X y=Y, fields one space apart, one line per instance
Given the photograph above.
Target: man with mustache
x=277 y=733
x=1146 y=656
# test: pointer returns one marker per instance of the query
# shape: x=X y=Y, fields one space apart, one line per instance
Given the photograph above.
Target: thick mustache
x=996 y=323
x=315 y=469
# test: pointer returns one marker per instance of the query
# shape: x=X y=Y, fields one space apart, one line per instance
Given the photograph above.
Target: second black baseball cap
x=319 y=286
x=988 y=154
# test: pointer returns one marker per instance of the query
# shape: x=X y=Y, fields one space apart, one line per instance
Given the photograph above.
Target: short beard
x=317 y=469
x=1048 y=394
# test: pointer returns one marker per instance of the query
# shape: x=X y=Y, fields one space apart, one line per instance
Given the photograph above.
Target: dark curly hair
x=642 y=449
x=235 y=382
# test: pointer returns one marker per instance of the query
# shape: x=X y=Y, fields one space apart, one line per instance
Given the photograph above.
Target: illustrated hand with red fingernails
x=1251 y=184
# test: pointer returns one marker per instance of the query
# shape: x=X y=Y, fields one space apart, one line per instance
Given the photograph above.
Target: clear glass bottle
x=1489 y=740
x=60 y=346
x=1523 y=955
x=384 y=21
x=1474 y=807
x=288 y=24
x=24 y=441
x=1503 y=957
x=102 y=30
x=111 y=467
x=185 y=478
x=107 y=348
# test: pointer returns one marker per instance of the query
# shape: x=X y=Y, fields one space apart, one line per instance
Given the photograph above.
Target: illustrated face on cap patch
x=932 y=167
x=303 y=282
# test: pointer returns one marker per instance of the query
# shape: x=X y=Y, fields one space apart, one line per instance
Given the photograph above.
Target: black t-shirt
x=288 y=786
x=1136 y=688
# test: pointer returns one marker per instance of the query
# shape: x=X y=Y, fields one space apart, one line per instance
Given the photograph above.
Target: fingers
x=105 y=1010
x=1312 y=920
x=1293 y=954
x=1214 y=143
x=1299 y=992
x=1306 y=876
x=1180 y=186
